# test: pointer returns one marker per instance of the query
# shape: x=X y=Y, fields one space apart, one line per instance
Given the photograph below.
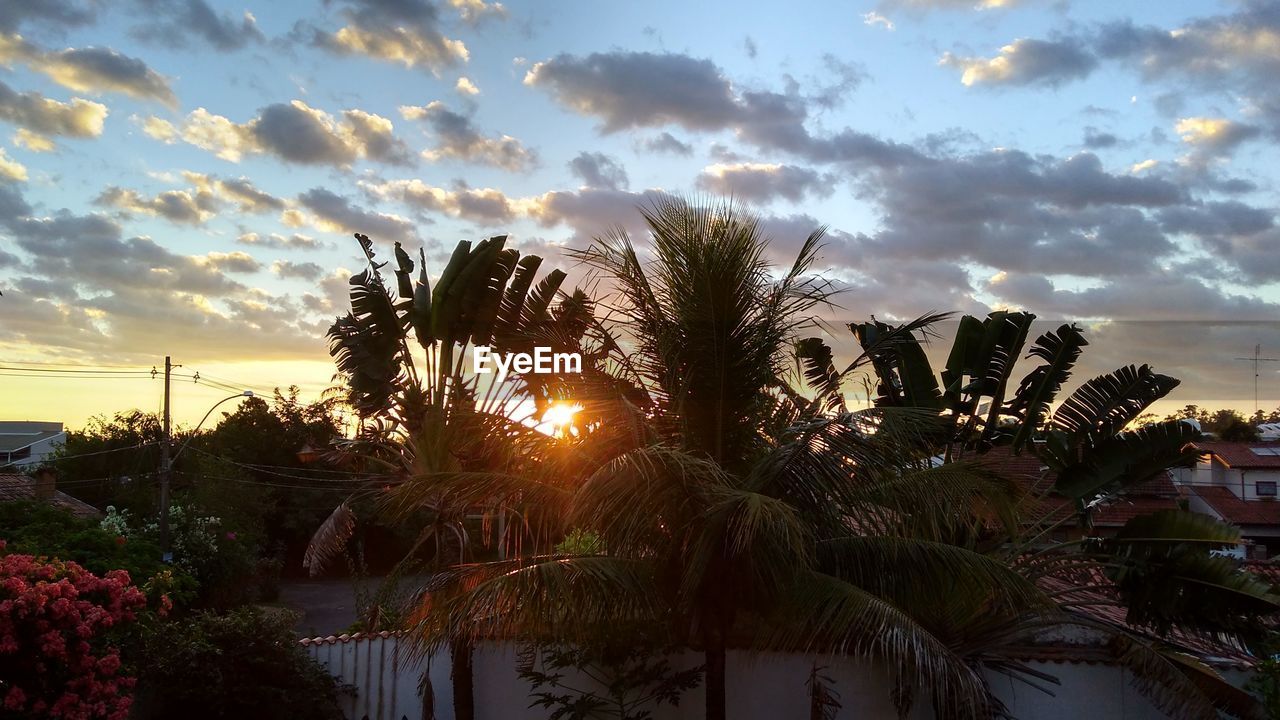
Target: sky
x=182 y=177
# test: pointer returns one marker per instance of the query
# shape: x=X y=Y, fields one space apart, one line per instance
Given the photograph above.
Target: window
x=1266 y=451
x=1266 y=488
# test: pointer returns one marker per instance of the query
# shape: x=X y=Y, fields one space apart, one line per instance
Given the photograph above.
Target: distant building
x=43 y=488
x=26 y=443
x=1238 y=482
x=1044 y=507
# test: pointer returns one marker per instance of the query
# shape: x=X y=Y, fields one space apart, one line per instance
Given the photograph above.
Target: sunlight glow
x=560 y=416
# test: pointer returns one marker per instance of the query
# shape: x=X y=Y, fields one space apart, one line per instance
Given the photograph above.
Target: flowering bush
x=54 y=659
x=202 y=549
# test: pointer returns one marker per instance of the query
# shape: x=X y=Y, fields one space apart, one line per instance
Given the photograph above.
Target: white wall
x=767 y=686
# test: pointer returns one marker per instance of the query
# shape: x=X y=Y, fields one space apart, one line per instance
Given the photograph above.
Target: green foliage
x=1166 y=570
x=620 y=681
x=36 y=528
x=245 y=665
x=1265 y=683
x=580 y=542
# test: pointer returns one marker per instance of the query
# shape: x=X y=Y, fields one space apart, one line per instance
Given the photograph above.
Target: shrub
x=39 y=529
x=55 y=657
x=245 y=664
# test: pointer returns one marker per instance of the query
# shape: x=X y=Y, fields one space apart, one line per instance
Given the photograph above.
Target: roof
x=10 y=441
x=15 y=487
x=1157 y=493
x=1234 y=510
x=1089 y=592
x=1241 y=455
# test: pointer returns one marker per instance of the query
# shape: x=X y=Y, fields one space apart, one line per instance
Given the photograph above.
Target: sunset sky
x=182 y=177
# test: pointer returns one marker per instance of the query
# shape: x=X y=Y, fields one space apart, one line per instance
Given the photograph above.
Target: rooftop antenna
x=1256 y=360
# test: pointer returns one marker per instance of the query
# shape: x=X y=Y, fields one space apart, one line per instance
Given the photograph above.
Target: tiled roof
x=1241 y=454
x=1096 y=598
x=15 y=487
x=346 y=638
x=1240 y=512
x=1044 y=505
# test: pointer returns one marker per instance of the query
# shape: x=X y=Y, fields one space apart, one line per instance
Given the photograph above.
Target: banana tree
x=403 y=350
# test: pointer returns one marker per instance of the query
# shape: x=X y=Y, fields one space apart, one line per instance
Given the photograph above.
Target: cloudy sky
x=182 y=176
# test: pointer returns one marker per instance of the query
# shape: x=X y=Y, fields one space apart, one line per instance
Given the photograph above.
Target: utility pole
x=165 y=470
x=1256 y=360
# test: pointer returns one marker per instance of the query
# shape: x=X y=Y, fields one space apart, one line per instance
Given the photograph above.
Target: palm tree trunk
x=715 y=660
x=464 y=703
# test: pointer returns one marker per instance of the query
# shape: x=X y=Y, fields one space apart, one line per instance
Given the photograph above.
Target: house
x=27 y=443
x=1044 y=507
x=43 y=488
x=1237 y=482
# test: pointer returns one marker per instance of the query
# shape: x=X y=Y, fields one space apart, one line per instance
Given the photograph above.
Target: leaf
x=1106 y=404
x=440 y=320
x=329 y=539
x=1031 y=401
x=1127 y=459
x=420 y=313
x=817 y=364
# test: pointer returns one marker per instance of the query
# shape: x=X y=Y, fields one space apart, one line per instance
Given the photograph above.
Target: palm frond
x=1031 y=401
x=1104 y=405
x=330 y=538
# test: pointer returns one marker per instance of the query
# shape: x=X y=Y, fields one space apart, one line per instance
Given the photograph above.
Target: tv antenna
x=1257 y=359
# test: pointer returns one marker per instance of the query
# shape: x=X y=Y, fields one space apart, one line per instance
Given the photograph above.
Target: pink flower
x=231 y=536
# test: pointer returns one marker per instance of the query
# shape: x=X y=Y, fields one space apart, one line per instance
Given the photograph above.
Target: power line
x=87 y=371
x=104 y=452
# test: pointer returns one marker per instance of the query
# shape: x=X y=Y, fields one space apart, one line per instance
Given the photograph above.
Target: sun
x=560 y=415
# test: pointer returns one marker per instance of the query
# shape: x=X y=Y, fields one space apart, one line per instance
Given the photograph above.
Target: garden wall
x=761 y=687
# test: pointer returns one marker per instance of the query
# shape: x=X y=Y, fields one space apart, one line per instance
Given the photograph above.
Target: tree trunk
x=464 y=704
x=715 y=658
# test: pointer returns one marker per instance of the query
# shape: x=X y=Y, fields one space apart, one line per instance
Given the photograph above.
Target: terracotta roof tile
x=15 y=487
x=1241 y=454
x=1241 y=512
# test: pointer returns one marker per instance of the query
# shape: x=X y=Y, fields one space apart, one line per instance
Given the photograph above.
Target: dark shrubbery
x=245 y=664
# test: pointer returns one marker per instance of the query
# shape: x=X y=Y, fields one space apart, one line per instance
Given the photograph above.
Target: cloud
x=284 y=242
x=44 y=116
x=299 y=270
x=464 y=86
x=174 y=22
x=86 y=288
x=240 y=191
x=1095 y=139
x=178 y=206
x=667 y=143
x=640 y=89
x=160 y=129
x=478 y=205
x=63 y=13
x=476 y=11
x=10 y=169
x=874 y=18
x=599 y=170
x=99 y=70
x=1211 y=138
x=34 y=142
x=1026 y=62
x=406 y=32
x=764 y=182
x=237 y=262
x=335 y=213
x=634 y=90
x=457 y=138
x=297 y=133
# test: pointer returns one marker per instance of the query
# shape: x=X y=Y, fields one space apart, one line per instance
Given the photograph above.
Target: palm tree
x=402 y=354
x=1160 y=569
x=734 y=508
